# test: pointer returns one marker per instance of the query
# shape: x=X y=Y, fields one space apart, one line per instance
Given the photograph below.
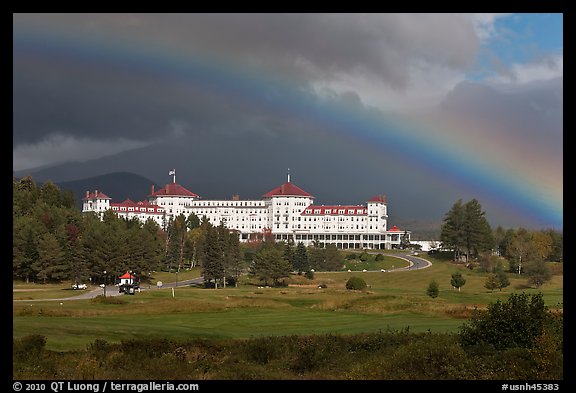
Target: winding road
x=414 y=263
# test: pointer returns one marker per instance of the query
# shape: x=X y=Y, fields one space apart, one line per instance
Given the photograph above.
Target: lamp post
x=177 y=270
x=104 y=283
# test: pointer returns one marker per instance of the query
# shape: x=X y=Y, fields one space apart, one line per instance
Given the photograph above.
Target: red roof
x=287 y=189
x=95 y=195
x=127 y=275
x=141 y=206
x=394 y=229
x=378 y=198
x=173 y=189
x=335 y=210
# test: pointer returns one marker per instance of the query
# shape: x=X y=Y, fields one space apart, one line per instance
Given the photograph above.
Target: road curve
x=414 y=263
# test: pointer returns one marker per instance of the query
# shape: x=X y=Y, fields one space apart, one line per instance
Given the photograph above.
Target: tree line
x=466 y=231
x=53 y=241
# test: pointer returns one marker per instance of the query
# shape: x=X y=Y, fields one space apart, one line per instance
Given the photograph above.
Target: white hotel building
x=288 y=211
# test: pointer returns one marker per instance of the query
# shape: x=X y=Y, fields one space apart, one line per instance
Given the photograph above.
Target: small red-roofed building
x=127 y=279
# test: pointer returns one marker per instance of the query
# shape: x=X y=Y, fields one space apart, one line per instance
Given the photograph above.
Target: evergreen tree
x=176 y=240
x=68 y=200
x=152 y=245
x=51 y=263
x=405 y=241
x=193 y=221
x=50 y=194
x=316 y=257
x=300 y=261
x=25 y=235
x=233 y=256
x=78 y=267
x=465 y=229
x=477 y=231
x=457 y=280
x=332 y=258
x=433 y=289
x=212 y=264
x=270 y=264
x=25 y=194
x=452 y=230
x=289 y=254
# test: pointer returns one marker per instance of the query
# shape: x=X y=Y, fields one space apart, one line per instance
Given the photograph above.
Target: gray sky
x=248 y=90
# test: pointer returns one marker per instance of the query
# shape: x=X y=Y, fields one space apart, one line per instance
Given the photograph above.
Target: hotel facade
x=287 y=211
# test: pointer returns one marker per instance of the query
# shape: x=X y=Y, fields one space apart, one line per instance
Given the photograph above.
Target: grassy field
x=394 y=300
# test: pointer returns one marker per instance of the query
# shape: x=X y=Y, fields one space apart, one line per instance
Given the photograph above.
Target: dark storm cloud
x=100 y=96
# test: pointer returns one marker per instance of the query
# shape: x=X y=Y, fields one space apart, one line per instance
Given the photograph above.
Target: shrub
x=108 y=300
x=309 y=275
x=516 y=323
x=29 y=347
x=433 y=290
x=262 y=350
x=356 y=283
x=379 y=257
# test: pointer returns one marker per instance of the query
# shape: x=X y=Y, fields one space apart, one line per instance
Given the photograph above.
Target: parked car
x=79 y=286
x=127 y=289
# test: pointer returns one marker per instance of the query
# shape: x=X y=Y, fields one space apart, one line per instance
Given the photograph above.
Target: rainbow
x=505 y=177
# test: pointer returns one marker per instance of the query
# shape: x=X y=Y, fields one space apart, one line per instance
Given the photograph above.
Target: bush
x=516 y=323
x=379 y=257
x=356 y=283
x=433 y=290
x=309 y=275
x=108 y=300
x=29 y=347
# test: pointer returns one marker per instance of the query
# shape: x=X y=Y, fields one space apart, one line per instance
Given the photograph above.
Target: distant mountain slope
x=118 y=186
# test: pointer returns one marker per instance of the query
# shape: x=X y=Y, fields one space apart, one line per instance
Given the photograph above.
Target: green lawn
x=68 y=332
x=394 y=300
